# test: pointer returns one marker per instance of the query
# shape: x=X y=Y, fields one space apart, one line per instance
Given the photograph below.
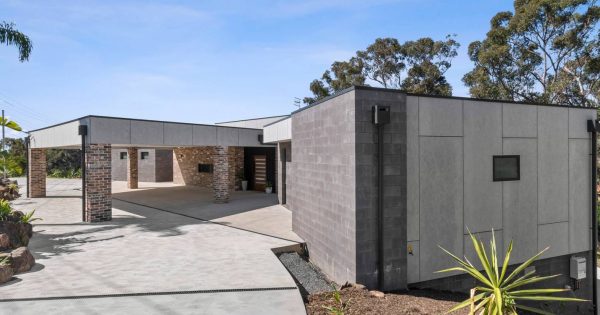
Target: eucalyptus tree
x=546 y=51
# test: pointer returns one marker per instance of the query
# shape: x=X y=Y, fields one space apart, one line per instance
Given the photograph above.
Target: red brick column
x=98 y=199
x=221 y=174
x=37 y=173
x=132 y=168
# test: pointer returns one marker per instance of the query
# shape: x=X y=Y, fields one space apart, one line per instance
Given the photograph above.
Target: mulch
x=359 y=301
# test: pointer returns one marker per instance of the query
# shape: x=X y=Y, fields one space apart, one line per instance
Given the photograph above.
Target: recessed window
x=205 y=168
x=145 y=155
x=507 y=168
x=123 y=155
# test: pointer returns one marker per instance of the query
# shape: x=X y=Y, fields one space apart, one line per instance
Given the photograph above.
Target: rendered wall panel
x=441 y=200
x=205 y=135
x=412 y=169
x=482 y=140
x=228 y=136
x=440 y=117
x=178 y=134
x=520 y=204
x=556 y=237
x=579 y=195
x=109 y=130
x=553 y=164
x=578 y=122
x=146 y=132
x=519 y=120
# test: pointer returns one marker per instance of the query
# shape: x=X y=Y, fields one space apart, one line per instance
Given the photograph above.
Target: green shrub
x=28 y=217
x=5 y=209
x=500 y=291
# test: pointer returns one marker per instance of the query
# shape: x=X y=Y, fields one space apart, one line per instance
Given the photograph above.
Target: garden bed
x=360 y=301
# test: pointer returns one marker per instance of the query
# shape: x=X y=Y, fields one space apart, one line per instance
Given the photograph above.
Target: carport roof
x=128 y=132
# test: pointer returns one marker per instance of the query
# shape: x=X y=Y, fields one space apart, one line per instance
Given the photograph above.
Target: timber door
x=260 y=172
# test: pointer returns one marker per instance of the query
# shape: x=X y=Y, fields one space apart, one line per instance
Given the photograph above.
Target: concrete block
x=110 y=130
x=146 y=132
x=440 y=116
x=412 y=167
x=555 y=236
x=579 y=195
x=520 y=204
x=519 y=120
x=413 y=262
x=578 y=118
x=553 y=164
x=205 y=135
x=228 y=136
x=441 y=192
x=178 y=134
x=482 y=140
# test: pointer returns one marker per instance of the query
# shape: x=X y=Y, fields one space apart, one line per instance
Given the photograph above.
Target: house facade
x=448 y=166
x=376 y=179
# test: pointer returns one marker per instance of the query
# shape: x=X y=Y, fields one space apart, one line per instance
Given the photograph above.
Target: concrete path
x=145 y=261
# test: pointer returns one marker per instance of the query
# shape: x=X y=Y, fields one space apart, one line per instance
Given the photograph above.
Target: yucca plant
x=500 y=291
x=5 y=209
x=28 y=217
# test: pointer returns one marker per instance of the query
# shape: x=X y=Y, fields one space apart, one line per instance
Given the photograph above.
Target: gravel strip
x=308 y=277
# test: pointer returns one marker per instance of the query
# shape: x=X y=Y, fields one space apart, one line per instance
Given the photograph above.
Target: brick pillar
x=37 y=173
x=98 y=201
x=221 y=174
x=132 y=168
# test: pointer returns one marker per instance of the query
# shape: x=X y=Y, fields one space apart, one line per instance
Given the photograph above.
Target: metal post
x=593 y=129
x=83 y=133
x=27 y=139
x=3 y=141
x=380 y=248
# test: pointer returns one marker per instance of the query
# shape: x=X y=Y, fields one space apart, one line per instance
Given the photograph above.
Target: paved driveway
x=145 y=261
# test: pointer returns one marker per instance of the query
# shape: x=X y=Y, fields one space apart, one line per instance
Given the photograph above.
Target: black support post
x=83 y=134
x=27 y=139
x=592 y=127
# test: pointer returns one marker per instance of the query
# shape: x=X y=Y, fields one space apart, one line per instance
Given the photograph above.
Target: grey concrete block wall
x=323 y=198
x=394 y=190
x=157 y=167
x=549 y=205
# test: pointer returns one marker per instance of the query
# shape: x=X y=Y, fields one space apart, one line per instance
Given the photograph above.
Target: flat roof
x=132 y=132
x=372 y=88
x=251 y=119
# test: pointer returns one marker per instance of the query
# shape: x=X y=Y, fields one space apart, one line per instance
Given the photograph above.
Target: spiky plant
x=5 y=209
x=500 y=291
x=28 y=217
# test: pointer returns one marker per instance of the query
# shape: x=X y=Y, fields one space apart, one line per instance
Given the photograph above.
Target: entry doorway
x=260 y=172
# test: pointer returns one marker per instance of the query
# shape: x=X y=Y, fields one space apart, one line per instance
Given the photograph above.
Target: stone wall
x=98 y=197
x=186 y=160
x=37 y=173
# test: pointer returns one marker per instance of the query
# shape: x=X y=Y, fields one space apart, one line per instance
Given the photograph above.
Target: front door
x=260 y=172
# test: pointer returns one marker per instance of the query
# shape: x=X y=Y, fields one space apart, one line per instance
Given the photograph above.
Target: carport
x=95 y=136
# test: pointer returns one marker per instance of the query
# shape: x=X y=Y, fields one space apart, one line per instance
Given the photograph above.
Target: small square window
x=507 y=168
x=145 y=155
x=123 y=155
x=205 y=168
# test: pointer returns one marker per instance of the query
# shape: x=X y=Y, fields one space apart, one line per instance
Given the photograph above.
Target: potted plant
x=242 y=177
x=269 y=188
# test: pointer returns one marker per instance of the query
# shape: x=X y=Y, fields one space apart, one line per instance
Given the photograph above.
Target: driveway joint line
x=204 y=220
x=96 y=296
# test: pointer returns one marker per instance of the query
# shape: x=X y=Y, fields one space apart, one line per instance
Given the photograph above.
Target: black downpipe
x=380 y=261
x=593 y=129
x=83 y=134
x=27 y=139
x=381 y=116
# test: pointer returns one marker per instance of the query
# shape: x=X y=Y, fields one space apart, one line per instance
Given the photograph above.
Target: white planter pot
x=244 y=185
x=269 y=190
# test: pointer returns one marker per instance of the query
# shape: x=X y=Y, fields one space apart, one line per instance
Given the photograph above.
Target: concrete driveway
x=147 y=261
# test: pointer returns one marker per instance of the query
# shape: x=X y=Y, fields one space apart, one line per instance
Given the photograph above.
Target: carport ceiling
x=128 y=132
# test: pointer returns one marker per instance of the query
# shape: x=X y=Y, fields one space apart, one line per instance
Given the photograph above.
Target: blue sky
x=205 y=61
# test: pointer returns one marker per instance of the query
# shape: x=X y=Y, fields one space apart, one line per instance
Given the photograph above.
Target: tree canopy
x=10 y=36
x=414 y=66
x=546 y=51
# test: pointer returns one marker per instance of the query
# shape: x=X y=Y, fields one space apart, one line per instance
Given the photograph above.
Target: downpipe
x=592 y=127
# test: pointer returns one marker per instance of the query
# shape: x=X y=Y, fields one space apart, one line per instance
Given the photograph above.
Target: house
x=377 y=179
